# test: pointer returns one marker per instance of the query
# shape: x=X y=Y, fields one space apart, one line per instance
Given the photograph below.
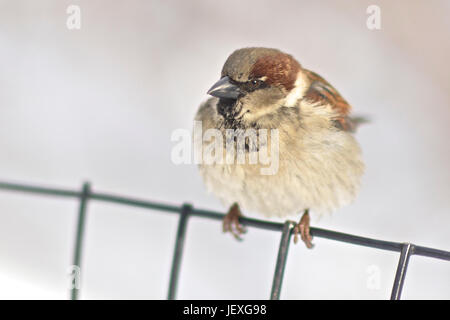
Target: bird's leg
x=302 y=227
x=231 y=222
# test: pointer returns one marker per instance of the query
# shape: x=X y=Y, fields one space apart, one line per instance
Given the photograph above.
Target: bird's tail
x=356 y=121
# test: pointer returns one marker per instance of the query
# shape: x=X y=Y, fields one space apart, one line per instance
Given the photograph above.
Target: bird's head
x=256 y=82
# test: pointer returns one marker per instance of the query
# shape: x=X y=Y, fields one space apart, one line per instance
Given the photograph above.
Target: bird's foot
x=231 y=222
x=302 y=228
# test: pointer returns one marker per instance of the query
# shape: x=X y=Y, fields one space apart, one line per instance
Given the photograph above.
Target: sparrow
x=319 y=161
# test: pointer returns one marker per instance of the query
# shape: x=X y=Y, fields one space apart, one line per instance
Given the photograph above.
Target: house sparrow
x=320 y=164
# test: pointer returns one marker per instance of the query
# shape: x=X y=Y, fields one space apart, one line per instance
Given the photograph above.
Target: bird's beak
x=224 y=89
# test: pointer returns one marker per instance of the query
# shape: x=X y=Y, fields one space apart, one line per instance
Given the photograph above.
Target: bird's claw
x=303 y=229
x=231 y=223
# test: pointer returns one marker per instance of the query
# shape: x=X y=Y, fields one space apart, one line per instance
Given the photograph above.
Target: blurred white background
x=100 y=104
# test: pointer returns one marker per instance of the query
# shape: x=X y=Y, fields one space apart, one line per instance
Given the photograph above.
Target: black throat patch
x=227 y=109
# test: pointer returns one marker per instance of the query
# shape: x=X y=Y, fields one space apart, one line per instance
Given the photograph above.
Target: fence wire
x=185 y=211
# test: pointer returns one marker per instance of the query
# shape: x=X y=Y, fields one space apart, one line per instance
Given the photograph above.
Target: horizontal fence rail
x=185 y=211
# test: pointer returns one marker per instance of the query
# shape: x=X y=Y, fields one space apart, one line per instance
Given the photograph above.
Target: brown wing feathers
x=321 y=92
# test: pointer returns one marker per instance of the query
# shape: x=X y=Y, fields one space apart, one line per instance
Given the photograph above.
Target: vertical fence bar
x=406 y=252
x=281 y=260
x=79 y=237
x=186 y=209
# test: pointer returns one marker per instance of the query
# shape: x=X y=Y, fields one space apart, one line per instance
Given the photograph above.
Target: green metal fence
x=185 y=211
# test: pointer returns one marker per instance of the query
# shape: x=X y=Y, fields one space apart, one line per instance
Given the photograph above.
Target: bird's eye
x=252 y=85
x=255 y=83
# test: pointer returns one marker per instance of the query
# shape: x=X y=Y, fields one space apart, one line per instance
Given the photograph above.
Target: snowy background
x=100 y=104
